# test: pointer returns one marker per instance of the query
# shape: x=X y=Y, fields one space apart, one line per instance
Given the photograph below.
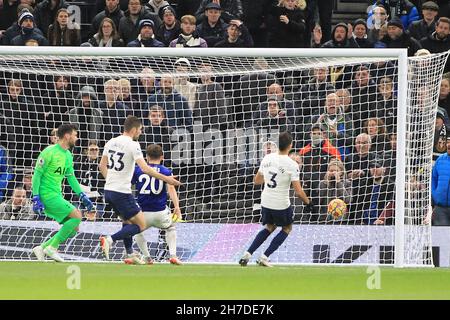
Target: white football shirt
x=278 y=171
x=122 y=153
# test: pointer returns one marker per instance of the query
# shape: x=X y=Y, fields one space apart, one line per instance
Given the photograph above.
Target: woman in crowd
x=63 y=33
x=107 y=35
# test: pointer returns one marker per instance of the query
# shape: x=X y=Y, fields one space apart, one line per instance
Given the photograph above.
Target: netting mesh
x=216 y=117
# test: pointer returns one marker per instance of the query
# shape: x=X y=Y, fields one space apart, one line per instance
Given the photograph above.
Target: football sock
x=259 y=239
x=128 y=243
x=127 y=231
x=171 y=239
x=66 y=231
x=276 y=242
x=142 y=244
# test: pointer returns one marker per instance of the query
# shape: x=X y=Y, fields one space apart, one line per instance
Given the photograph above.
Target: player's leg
x=171 y=239
x=268 y=222
x=284 y=219
x=142 y=244
x=66 y=214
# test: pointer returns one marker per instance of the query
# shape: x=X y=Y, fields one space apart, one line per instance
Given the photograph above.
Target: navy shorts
x=123 y=204
x=280 y=218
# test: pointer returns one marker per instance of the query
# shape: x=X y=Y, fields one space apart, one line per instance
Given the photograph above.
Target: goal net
x=362 y=122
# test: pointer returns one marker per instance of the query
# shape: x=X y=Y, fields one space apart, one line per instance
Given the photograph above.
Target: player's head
x=133 y=127
x=67 y=133
x=154 y=153
x=285 y=141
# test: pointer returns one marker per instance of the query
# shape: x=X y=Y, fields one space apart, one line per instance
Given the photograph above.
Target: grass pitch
x=27 y=280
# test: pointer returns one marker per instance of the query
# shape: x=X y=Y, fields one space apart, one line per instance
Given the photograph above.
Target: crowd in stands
x=343 y=118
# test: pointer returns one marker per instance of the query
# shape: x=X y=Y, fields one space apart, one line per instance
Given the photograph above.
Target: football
x=337 y=208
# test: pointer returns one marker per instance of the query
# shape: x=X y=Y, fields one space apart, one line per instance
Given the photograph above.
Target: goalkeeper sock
x=127 y=231
x=276 y=243
x=142 y=244
x=66 y=231
x=259 y=239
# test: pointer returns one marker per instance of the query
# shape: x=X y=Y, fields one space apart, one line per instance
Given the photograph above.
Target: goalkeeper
x=53 y=165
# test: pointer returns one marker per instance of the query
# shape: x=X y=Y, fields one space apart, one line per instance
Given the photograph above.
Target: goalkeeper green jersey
x=53 y=165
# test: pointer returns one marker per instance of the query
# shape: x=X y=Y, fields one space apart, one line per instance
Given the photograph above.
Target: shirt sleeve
x=71 y=179
x=260 y=169
x=136 y=151
x=295 y=172
x=41 y=165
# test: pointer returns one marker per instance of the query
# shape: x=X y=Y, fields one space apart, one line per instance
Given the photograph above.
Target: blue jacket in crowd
x=440 y=181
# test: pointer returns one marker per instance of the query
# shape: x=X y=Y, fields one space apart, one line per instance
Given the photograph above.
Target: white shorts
x=158 y=219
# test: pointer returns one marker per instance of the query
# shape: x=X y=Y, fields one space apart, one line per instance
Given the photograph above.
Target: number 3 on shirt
x=273 y=182
x=115 y=160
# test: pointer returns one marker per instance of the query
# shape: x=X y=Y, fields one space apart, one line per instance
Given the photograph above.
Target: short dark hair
x=284 y=140
x=154 y=151
x=65 y=128
x=131 y=122
x=443 y=19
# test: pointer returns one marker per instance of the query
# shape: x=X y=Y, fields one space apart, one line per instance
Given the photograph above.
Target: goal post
x=362 y=121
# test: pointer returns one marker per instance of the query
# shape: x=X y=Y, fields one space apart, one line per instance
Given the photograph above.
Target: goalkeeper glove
x=87 y=203
x=38 y=207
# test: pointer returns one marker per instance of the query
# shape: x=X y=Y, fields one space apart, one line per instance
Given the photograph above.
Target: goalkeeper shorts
x=57 y=208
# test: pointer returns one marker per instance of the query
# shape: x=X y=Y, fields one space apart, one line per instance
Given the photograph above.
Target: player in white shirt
x=277 y=172
x=117 y=166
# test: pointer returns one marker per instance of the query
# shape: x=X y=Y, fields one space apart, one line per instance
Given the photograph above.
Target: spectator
x=130 y=22
x=357 y=164
x=426 y=26
x=114 y=112
x=5 y=172
x=341 y=37
x=444 y=95
x=31 y=43
x=401 y=9
x=439 y=40
x=60 y=101
x=14 y=29
x=390 y=156
x=125 y=97
x=374 y=194
x=146 y=37
x=337 y=125
x=287 y=25
x=156 y=131
x=315 y=157
x=210 y=101
x=87 y=116
x=345 y=99
x=238 y=36
x=19 y=207
x=398 y=38
x=274 y=119
x=61 y=33
x=181 y=81
x=87 y=172
x=276 y=90
x=53 y=139
x=27 y=181
x=231 y=9
x=175 y=106
x=333 y=186
x=360 y=34
x=170 y=27
x=386 y=108
x=363 y=92
x=440 y=135
x=376 y=22
x=156 y=5
x=28 y=31
x=255 y=14
x=188 y=37
x=23 y=115
x=440 y=188
x=107 y=35
x=112 y=11
x=374 y=127
x=8 y=13
x=146 y=87
x=46 y=12
x=320 y=13
x=212 y=29
x=311 y=97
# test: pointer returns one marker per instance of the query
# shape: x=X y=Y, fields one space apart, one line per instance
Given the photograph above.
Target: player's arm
x=258 y=179
x=103 y=166
x=152 y=172
x=300 y=192
x=174 y=197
